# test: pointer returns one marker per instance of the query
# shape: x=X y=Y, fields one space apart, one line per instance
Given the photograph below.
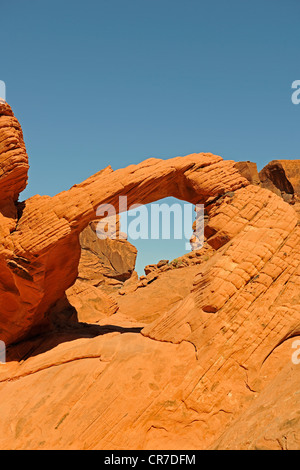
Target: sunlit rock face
x=196 y=354
x=282 y=177
x=40 y=247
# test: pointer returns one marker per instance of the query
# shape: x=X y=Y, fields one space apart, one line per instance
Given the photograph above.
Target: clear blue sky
x=99 y=82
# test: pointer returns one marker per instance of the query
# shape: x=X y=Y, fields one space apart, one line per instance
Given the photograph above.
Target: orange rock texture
x=280 y=176
x=105 y=264
x=196 y=354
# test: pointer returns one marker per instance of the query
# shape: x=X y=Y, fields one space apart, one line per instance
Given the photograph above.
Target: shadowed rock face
x=274 y=176
x=282 y=177
x=284 y=174
x=197 y=374
x=104 y=266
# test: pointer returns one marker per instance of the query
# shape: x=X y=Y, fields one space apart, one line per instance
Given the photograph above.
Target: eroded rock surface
x=282 y=177
x=207 y=365
x=104 y=266
x=39 y=259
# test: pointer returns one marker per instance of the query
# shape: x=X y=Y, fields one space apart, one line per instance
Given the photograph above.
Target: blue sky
x=97 y=83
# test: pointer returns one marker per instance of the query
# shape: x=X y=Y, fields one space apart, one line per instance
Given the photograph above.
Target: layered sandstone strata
x=211 y=369
x=104 y=266
x=39 y=258
x=282 y=177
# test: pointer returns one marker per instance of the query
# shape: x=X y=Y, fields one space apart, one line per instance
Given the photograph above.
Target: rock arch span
x=40 y=250
x=244 y=302
x=248 y=226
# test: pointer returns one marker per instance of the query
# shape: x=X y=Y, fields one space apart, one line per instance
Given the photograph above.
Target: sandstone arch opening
x=112 y=276
x=40 y=249
x=244 y=303
x=160 y=231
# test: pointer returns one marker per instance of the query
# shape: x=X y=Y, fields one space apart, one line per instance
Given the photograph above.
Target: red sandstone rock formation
x=282 y=177
x=13 y=156
x=104 y=266
x=249 y=171
x=211 y=368
x=39 y=259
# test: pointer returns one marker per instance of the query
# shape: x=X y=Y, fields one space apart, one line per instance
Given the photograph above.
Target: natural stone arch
x=244 y=301
x=248 y=226
x=40 y=249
